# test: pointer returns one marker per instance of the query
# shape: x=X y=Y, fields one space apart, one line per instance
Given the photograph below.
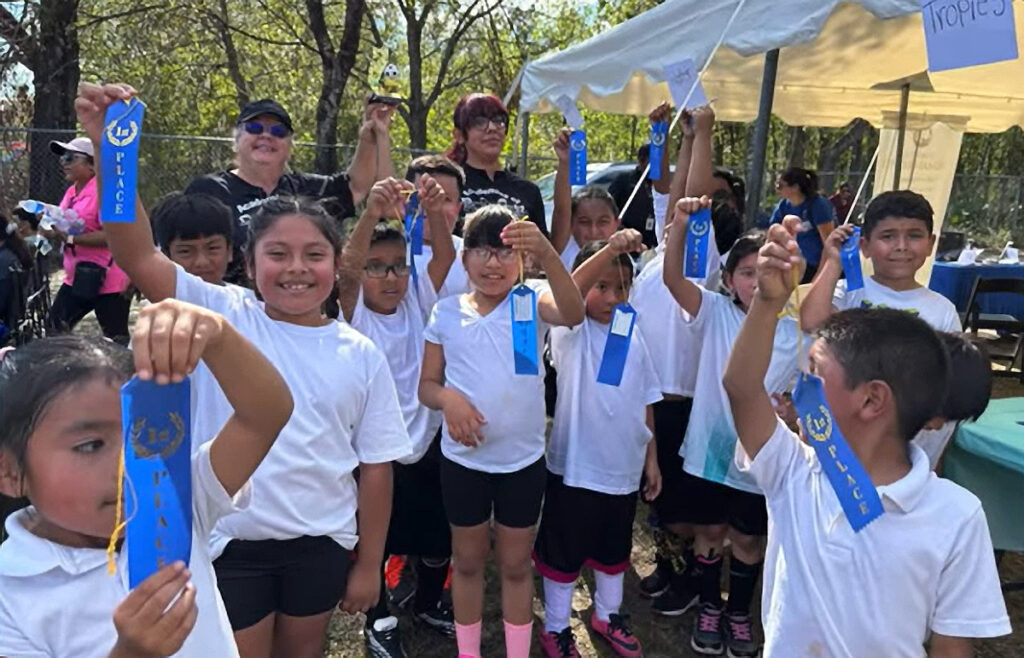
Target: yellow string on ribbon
x=520 y=253
x=119 y=522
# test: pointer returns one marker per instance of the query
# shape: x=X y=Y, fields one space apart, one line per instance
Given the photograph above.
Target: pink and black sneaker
x=559 y=645
x=617 y=634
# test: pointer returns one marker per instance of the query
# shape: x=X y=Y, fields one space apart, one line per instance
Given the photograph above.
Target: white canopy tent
x=839 y=61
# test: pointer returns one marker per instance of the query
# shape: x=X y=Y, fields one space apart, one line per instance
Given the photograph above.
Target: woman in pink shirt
x=101 y=285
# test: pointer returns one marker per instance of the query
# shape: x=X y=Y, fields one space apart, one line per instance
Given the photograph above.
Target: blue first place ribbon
x=659 y=132
x=849 y=256
x=616 y=347
x=119 y=160
x=856 y=493
x=578 y=158
x=698 y=233
x=158 y=469
x=414 y=235
x=523 y=302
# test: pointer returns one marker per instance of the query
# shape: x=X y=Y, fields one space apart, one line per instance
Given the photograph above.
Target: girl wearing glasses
x=263 y=146
x=92 y=282
x=493 y=433
x=481 y=124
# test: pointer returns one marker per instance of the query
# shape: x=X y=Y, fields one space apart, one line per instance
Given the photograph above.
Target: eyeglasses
x=381 y=271
x=482 y=122
x=67 y=157
x=484 y=254
x=256 y=128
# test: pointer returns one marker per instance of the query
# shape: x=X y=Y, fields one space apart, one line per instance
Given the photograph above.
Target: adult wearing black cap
x=263 y=145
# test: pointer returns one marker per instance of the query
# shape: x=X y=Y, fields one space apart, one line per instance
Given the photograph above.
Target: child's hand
x=652 y=480
x=432 y=195
x=661 y=113
x=463 y=420
x=561 y=146
x=686 y=207
x=386 y=199
x=703 y=120
x=145 y=625
x=834 y=243
x=376 y=120
x=626 y=241
x=686 y=123
x=170 y=337
x=525 y=237
x=92 y=103
x=363 y=588
x=778 y=260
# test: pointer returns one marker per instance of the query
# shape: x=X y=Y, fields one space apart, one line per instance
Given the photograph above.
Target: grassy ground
x=662 y=637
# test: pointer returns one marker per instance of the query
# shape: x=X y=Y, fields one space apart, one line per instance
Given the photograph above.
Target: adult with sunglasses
x=481 y=124
x=799 y=191
x=263 y=145
x=92 y=282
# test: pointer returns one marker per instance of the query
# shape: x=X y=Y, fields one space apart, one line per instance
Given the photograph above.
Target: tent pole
x=901 y=136
x=759 y=148
x=525 y=127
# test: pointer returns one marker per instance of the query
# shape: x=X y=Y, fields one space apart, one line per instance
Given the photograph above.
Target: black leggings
x=111 y=311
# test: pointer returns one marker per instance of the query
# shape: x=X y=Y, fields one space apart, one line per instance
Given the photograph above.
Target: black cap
x=265 y=106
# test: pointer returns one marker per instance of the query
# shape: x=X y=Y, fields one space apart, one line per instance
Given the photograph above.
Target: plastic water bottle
x=66 y=221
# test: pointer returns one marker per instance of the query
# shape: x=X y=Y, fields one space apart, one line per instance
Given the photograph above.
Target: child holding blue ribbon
x=375 y=296
x=61 y=440
x=493 y=433
x=601 y=443
x=284 y=563
x=731 y=502
x=452 y=179
x=919 y=577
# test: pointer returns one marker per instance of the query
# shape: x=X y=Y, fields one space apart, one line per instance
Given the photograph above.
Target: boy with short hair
x=921 y=574
x=897 y=238
x=453 y=179
x=194 y=231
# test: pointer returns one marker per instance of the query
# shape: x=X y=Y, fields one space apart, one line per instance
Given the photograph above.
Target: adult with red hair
x=481 y=124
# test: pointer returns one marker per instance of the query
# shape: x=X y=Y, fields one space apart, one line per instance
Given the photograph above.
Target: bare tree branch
x=466 y=20
x=18 y=39
x=96 y=19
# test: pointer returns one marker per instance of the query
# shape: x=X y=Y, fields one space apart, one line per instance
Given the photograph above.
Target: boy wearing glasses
x=384 y=299
x=263 y=143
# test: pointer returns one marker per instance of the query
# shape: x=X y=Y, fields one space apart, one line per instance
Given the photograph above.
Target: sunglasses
x=256 y=128
x=484 y=254
x=482 y=122
x=67 y=157
x=381 y=271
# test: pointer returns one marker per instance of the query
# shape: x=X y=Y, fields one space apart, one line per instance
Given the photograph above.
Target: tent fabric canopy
x=838 y=61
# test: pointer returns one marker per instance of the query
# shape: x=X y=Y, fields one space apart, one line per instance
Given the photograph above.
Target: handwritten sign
x=961 y=33
x=567 y=107
x=681 y=76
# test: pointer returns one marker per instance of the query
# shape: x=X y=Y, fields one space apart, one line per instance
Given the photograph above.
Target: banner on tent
x=962 y=33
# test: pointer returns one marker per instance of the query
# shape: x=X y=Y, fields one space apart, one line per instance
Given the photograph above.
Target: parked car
x=601 y=174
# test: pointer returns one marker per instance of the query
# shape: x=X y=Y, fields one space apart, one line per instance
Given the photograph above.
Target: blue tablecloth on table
x=955 y=281
x=987 y=458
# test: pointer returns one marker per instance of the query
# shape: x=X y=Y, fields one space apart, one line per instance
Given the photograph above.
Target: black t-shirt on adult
x=640 y=214
x=520 y=195
x=244 y=199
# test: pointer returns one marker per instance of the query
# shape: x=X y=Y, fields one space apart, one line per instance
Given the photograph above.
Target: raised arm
x=662 y=113
x=372 y=159
x=701 y=179
x=752 y=409
x=131 y=244
x=625 y=241
x=169 y=339
x=564 y=307
x=817 y=306
x=677 y=188
x=687 y=294
x=432 y=200
x=561 y=214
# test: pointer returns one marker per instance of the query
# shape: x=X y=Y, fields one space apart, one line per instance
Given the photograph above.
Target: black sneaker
x=675 y=601
x=707 y=637
x=383 y=639
x=439 y=618
x=401 y=581
x=656 y=584
x=739 y=636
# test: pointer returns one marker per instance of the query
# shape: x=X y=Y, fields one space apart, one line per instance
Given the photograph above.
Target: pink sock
x=517 y=640
x=467 y=636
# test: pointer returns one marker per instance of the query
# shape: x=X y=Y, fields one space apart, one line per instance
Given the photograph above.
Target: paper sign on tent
x=961 y=33
x=680 y=76
x=567 y=107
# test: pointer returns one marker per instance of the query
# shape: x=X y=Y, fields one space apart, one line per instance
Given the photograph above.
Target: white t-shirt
x=568 y=255
x=926 y=304
x=710 y=444
x=925 y=565
x=400 y=337
x=934 y=442
x=672 y=340
x=479 y=364
x=346 y=412
x=57 y=600
x=599 y=436
x=457 y=281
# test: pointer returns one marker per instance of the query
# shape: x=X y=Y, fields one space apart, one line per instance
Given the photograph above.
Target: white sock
x=558 y=605
x=608 y=598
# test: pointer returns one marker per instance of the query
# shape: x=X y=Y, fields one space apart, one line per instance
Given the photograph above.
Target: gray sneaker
x=739 y=636
x=707 y=631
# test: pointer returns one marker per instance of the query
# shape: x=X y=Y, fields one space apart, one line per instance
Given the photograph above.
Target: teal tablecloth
x=987 y=458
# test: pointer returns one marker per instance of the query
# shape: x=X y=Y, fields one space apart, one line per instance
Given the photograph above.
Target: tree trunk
x=54 y=64
x=223 y=28
x=796 y=147
x=830 y=153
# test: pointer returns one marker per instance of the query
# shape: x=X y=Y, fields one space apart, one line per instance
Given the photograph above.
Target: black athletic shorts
x=471 y=496
x=580 y=528
x=419 y=525
x=670 y=420
x=715 y=503
x=298 y=577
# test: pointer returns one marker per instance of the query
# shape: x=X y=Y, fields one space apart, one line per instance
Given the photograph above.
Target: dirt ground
x=662 y=637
